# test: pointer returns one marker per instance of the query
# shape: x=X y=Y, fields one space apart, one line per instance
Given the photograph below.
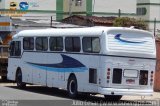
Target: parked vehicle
x=112 y=61
x=3 y=61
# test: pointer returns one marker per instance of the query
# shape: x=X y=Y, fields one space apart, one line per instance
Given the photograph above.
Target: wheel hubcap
x=72 y=87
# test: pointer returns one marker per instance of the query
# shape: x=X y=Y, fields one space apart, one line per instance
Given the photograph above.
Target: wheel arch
x=72 y=75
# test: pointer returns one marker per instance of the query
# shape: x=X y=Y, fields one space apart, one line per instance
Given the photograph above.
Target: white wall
x=67 y=4
x=2 y=4
x=126 y=6
x=154 y=1
x=153 y=11
x=143 y=1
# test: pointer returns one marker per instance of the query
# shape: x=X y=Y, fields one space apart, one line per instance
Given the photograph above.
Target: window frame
x=31 y=47
x=42 y=40
x=141 y=11
x=73 y=44
x=91 y=39
x=57 y=45
x=13 y=49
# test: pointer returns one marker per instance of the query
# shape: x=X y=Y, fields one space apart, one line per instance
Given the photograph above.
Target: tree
x=128 y=22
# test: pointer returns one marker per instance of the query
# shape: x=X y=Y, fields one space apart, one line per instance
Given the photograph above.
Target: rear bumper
x=115 y=91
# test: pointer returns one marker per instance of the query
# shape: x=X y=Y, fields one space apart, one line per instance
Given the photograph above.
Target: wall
x=63 y=8
x=157 y=73
x=153 y=11
x=2 y=4
x=70 y=7
x=111 y=7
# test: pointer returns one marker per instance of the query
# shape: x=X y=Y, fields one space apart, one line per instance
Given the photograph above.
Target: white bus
x=112 y=61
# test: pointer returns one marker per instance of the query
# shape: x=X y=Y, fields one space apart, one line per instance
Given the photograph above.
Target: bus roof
x=89 y=31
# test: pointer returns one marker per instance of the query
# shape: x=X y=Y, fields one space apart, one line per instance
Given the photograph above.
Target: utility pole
x=70 y=7
x=119 y=13
x=155 y=27
x=51 y=21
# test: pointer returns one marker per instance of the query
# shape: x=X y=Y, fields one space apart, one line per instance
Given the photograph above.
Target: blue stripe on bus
x=79 y=69
x=118 y=37
x=68 y=64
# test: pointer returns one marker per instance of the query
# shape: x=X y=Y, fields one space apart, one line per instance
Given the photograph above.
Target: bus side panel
x=55 y=74
x=84 y=74
x=26 y=68
x=13 y=64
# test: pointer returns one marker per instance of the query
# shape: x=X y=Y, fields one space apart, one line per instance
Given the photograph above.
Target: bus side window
x=72 y=44
x=95 y=45
x=28 y=43
x=91 y=44
x=56 y=43
x=42 y=43
x=15 y=48
x=11 y=48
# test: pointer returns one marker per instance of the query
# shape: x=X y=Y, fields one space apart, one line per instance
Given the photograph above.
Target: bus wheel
x=72 y=86
x=20 y=84
x=113 y=97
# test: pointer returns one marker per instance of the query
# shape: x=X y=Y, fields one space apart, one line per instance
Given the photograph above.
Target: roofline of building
x=152 y=21
x=139 y=4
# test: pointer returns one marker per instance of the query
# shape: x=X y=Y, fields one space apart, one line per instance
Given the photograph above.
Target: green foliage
x=127 y=22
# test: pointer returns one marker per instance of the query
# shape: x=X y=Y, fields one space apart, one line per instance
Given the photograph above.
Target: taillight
x=108 y=74
x=151 y=78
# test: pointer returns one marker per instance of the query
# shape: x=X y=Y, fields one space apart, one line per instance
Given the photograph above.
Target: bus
x=110 y=61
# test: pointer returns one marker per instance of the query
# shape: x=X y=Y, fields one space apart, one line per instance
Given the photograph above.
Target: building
x=60 y=9
x=149 y=10
x=89 y=21
x=114 y=8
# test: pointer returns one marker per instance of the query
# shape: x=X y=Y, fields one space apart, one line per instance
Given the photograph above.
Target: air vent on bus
x=117 y=76
x=143 y=78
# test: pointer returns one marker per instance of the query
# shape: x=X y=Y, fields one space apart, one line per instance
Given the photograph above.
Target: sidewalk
x=156 y=96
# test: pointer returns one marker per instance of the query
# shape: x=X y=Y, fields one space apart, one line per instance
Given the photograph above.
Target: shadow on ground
x=5 y=81
x=81 y=97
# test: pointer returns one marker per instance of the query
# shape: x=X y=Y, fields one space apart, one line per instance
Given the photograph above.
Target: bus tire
x=72 y=87
x=113 y=97
x=19 y=82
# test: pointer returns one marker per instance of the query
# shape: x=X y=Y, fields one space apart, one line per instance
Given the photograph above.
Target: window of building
x=28 y=43
x=15 y=48
x=78 y=3
x=42 y=43
x=91 y=44
x=141 y=11
x=72 y=44
x=56 y=43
